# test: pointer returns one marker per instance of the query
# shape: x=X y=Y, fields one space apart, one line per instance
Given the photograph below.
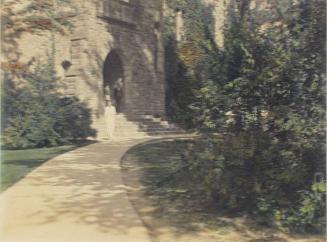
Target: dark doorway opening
x=113 y=75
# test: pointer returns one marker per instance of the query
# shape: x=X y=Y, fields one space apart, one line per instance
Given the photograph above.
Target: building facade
x=113 y=44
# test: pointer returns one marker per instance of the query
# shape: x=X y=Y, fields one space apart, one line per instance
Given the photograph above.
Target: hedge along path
x=76 y=197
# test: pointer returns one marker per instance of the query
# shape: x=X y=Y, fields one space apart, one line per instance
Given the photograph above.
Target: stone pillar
x=180 y=31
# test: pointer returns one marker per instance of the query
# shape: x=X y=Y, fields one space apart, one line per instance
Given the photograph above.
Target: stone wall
x=22 y=44
x=138 y=42
x=131 y=28
x=220 y=15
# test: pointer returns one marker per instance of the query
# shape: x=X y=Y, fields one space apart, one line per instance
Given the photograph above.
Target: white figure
x=110 y=113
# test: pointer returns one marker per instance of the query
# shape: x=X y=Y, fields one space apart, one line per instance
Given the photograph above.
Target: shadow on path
x=78 y=196
x=174 y=209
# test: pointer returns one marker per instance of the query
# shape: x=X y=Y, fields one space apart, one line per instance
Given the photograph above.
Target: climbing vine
x=184 y=57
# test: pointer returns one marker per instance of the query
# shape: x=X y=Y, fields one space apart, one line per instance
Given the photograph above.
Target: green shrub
x=254 y=174
x=309 y=215
x=37 y=115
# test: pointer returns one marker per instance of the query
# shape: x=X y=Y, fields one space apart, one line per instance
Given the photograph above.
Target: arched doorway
x=113 y=84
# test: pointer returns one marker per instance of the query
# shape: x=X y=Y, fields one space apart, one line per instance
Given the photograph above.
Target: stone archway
x=113 y=80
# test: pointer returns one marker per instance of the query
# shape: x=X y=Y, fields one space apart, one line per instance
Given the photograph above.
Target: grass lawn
x=167 y=200
x=16 y=164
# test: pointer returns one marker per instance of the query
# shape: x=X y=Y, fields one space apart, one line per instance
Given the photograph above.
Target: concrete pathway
x=76 y=197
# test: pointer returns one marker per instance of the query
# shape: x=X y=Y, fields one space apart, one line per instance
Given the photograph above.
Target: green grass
x=16 y=164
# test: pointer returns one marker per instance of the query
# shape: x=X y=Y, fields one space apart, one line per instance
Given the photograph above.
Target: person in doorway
x=110 y=112
x=118 y=94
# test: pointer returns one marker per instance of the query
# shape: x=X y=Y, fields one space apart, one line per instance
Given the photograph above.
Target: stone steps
x=150 y=125
x=137 y=126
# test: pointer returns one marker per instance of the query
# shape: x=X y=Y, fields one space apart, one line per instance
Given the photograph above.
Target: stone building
x=119 y=41
x=220 y=10
x=114 y=43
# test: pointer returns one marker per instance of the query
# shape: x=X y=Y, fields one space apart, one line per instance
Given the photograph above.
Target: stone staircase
x=137 y=126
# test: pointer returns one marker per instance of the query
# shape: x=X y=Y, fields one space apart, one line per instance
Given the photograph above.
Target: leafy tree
x=261 y=104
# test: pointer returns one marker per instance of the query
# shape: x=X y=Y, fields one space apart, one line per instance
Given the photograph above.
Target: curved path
x=76 y=197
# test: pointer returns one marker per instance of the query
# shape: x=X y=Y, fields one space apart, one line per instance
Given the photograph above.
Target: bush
x=37 y=115
x=309 y=215
x=264 y=93
x=254 y=174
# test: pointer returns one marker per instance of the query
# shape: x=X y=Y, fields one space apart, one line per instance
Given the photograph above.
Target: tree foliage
x=182 y=58
x=260 y=102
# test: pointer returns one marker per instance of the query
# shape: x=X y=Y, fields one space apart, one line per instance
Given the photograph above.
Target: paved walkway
x=76 y=197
